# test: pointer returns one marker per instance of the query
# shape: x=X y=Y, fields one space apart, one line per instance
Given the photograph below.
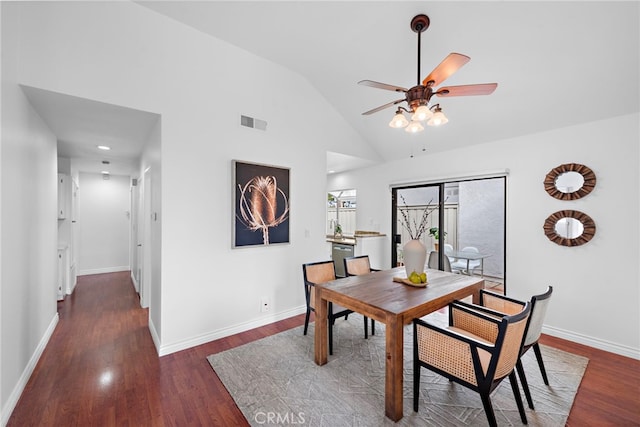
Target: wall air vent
x=250 y=122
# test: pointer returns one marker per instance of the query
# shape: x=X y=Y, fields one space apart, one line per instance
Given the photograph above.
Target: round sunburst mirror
x=570 y=181
x=569 y=228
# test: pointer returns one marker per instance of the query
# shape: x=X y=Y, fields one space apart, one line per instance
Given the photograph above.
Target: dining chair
x=357 y=266
x=315 y=273
x=434 y=261
x=539 y=304
x=448 y=250
x=477 y=350
x=461 y=264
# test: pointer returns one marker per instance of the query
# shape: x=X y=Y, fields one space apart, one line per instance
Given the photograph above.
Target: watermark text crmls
x=280 y=418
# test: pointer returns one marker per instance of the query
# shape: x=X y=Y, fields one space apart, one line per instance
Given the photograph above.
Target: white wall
x=195 y=82
x=596 y=286
x=104 y=209
x=28 y=200
x=151 y=169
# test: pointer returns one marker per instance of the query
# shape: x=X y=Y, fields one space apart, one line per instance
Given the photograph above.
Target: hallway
x=101 y=368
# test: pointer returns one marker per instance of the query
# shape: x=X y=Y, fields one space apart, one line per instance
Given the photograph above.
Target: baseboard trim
x=164 y=350
x=154 y=334
x=104 y=270
x=600 y=344
x=135 y=282
x=12 y=401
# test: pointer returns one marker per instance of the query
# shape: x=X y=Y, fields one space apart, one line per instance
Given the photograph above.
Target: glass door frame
x=394 y=219
x=441 y=217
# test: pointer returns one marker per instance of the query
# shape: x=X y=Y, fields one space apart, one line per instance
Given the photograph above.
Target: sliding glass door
x=468 y=227
x=417 y=216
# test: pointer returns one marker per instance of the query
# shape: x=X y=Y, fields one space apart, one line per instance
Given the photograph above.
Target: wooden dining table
x=378 y=297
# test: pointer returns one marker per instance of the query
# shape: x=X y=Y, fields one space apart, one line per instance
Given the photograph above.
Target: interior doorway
x=136 y=234
x=145 y=248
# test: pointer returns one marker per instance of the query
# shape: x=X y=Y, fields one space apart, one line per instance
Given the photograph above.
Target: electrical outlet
x=265 y=305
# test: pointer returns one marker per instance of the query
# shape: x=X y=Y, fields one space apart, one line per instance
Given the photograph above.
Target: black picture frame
x=260 y=204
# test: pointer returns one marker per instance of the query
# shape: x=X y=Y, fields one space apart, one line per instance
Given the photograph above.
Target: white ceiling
x=80 y=125
x=556 y=63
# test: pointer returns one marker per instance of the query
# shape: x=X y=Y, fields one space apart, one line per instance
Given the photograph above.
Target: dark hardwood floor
x=101 y=368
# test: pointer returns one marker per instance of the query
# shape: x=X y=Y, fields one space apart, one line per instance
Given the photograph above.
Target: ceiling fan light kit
x=419 y=96
x=438 y=117
x=414 y=127
x=422 y=113
x=399 y=120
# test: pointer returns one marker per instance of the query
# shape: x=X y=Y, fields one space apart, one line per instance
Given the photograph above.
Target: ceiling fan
x=419 y=96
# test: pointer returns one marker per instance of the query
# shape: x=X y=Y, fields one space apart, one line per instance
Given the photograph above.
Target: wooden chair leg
x=536 y=349
x=373 y=327
x=516 y=393
x=525 y=384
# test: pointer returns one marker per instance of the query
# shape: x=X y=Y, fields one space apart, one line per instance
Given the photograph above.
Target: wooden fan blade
x=467 y=90
x=382 y=107
x=448 y=66
x=371 y=83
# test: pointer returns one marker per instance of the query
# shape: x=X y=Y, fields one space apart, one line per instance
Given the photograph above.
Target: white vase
x=414 y=254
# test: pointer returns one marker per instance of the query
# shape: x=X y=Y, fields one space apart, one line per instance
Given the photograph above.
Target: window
x=341 y=209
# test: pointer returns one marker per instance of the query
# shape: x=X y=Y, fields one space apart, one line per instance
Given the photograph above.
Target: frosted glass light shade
x=398 y=121
x=422 y=113
x=438 y=119
x=414 y=127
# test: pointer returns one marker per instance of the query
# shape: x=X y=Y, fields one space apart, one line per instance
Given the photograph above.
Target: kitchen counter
x=369 y=243
x=342 y=240
x=352 y=240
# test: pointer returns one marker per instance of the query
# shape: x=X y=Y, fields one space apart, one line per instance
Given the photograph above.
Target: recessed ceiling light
x=105 y=172
x=104 y=147
x=331 y=171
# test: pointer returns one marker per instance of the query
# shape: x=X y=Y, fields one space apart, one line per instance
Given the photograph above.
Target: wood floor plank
x=609 y=394
x=101 y=368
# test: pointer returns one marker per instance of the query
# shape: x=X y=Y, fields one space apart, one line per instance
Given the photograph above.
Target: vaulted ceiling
x=556 y=63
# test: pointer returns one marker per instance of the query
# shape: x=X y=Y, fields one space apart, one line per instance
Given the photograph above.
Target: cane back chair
x=315 y=273
x=539 y=304
x=478 y=350
x=357 y=266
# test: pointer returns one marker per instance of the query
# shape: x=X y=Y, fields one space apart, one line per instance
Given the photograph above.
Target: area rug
x=274 y=381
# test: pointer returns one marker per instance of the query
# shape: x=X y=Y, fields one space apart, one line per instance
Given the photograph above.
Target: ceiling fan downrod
x=419 y=23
